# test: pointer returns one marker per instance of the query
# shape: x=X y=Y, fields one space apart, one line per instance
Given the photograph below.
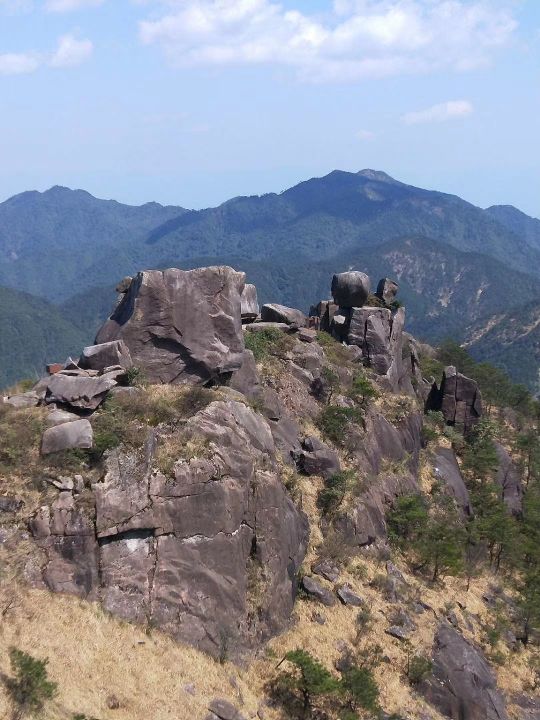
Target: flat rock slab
x=59 y=417
x=104 y=355
x=327 y=569
x=77 y=434
x=79 y=391
x=348 y=597
x=317 y=591
x=282 y=314
x=224 y=710
x=23 y=400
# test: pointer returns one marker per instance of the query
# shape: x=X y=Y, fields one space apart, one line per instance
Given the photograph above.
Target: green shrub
x=136 y=377
x=360 y=689
x=419 y=667
x=363 y=390
x=20 y=434
x=265 y=343
x=335 y=421
x=30 y=688
x=332 y=494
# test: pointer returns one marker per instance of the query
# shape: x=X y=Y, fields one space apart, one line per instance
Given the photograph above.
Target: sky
x=192 y=102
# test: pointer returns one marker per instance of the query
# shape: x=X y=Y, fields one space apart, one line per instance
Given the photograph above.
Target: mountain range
x=464 y=272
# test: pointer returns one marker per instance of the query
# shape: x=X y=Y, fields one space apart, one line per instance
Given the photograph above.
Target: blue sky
x=191 y=102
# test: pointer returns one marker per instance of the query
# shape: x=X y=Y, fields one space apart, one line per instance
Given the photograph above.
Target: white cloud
x=439 y=113
x=69 y=5
x=19 y=63
x=365 y=135
x=356 y=39
x=71 y=52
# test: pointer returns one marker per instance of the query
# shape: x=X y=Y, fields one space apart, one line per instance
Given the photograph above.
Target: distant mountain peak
x=378 y=175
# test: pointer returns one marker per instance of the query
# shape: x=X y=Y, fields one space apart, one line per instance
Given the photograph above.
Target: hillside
x=211 y=518
x=517 y=222
x=33 y=332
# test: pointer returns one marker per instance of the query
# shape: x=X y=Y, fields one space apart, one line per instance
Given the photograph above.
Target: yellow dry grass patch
x=92 y=656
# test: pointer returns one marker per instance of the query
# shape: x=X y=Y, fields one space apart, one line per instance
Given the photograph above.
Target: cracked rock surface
x=208 y=553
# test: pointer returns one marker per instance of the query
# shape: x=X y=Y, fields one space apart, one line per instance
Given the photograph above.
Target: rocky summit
x=331 y=518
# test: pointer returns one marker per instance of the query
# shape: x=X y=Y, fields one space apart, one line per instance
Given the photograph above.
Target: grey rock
x=77 y=434
x=190 y=689
x=79 y=391
x=59 y=417
x=509 y=479
x=224 y=710
x=387 y=290
x=348 y=597
x=463 y=686
x=181 y=325
x=317 y=591
x=124 y=285
x=327 y=569
x=447 y=471
x=307 y=335
x=23 y=400
x=282 y=314
x=350 y=289
x=104 y=355
x=10 y=504
x=179 y=549
x=261 y=326
x=317 y=458
x=398 y=632
x=458 y=398
x=249 y=304
x=527 y=706
x=319 y=618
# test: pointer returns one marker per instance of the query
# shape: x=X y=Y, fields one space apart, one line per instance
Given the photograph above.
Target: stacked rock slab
x=458 y=398
x=272 y=312
x=181 y=326
x=249 y=303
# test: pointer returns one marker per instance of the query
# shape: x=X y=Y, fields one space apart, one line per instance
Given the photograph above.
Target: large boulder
x=449 y=475
x=463 y=686
x=282 y=314
x=458 y=398
x=249 y=303
x=181 y=326
x=99 y=357
x=67 y=436
x=208 y=552
x=350 y=289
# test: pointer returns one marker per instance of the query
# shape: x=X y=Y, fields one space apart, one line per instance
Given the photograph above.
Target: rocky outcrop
x=181 y=326
x=389 y=457
x=249 y=304
x=509 y=480
x=379 y=335
x=447 y=471
x=100 y=357
x=350 y=289
x=458 y=398
x=387 y=290
x=208 y=553
x=463 y=686
x=272 y=312
x=80 y=389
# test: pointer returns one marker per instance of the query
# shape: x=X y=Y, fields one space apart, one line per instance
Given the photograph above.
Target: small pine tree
x=361 y=689
x=30 y=687
x=310 y=679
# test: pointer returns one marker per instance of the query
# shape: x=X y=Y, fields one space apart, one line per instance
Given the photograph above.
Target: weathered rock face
x=249 y=303
x=381 y=447
x=350 y=289
x=209 y=555
x=282 y=314
x=459 y=399
x=509 y=479
x=387 y=290
x=181 y=326
x=99 y=357
x=447 y=471
x=379 y=334
x=463 y=686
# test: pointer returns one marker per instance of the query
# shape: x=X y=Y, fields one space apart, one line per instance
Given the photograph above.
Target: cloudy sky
x=191 y=102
